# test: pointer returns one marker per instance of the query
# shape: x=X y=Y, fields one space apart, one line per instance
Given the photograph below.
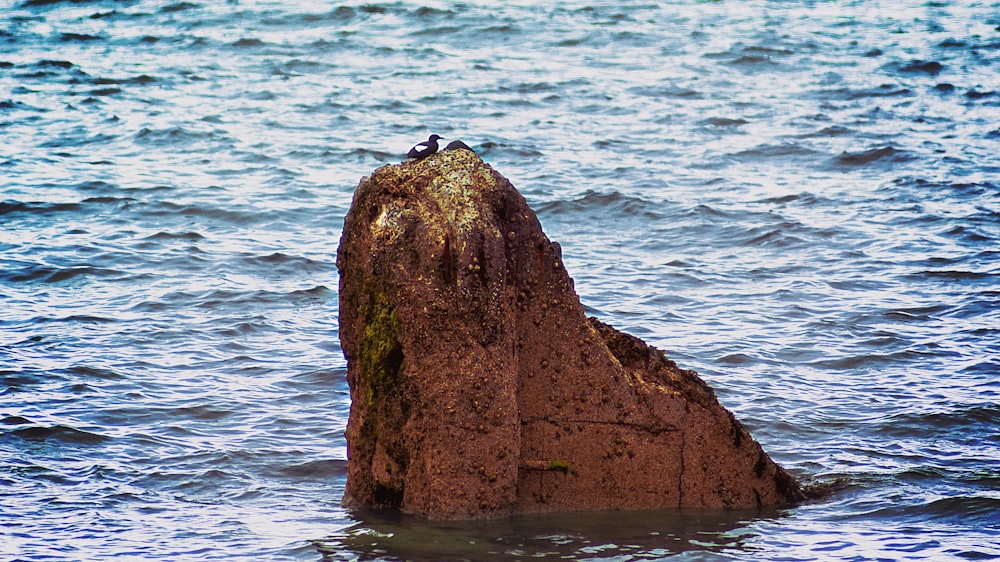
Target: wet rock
x=479 y=388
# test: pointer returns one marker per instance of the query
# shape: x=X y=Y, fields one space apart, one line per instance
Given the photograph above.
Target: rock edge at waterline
x=479 y=388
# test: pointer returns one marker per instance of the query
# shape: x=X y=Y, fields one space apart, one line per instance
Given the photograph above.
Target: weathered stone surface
x=479 y=388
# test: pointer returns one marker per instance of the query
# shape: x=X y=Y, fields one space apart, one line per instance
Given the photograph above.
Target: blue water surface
x=799 y=200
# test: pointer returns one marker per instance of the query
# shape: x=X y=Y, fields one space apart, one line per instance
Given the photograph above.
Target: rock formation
x=479 y=388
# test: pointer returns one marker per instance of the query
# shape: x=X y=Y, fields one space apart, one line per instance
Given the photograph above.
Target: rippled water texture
x=800 y=200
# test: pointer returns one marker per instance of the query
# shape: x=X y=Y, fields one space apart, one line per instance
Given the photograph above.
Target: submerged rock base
x=479 y=388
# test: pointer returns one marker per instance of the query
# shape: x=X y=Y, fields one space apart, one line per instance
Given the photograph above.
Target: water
x=800 y=200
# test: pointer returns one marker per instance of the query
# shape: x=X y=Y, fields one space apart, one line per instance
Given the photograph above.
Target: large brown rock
x=479 y=388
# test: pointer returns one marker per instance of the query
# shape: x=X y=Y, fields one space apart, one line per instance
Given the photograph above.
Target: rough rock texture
x=479 y=388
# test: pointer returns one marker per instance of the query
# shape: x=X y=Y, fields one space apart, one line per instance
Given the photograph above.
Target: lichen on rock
x=381 y=353
x=480 y=388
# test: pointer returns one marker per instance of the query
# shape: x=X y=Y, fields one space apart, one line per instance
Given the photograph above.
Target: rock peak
x=479 y=388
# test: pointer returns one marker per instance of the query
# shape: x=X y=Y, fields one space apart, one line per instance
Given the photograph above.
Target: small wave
x=297 y=67
x=51 y=63
x=955 y=275
x=751 y=60
x=602 y=204
x=206 y=485
x=109 y=200
x=105 y=91
x=780 y=200
x=984 y=368
x=426 y=12
x=166 y=208
x=16 y=207
x=63 y=433
x=974 y=189
x=750 y=56
x=865 y=361
x=952 y=43
x=737 y=359
x=986 y=477
x=11 y=104
x=830 y=131
x=178 y=7
x=220 y=298
x=767 y=50
x=703 y=210
x=105 y=15
x=520 y=150
x=86 y=319
x=882 y=154
x=50 y=274
x=278 y=258
x=94 y=373
x=974 y=94
x=200 y=412
x=575 y=41
x=331 y=468
x=363 y=154
x=185 y=236
x=772 y=151
x=247 y=42
x=968 y=234
x=175 y=136
x=919 y=314
x=777 y=237
x=671 y=91
x=140 y=80
x=327 y=377
x=338 y=14
x=506 y=30
x=958 y=422
x=35 y=3
x=437 y=31
x=317 y=291
x=967 y=509
x=882 y=91
x=529 y=87
x=100 y=186
x=70 y=37
x=930 y=68
x=724 y=122
x=76 y=139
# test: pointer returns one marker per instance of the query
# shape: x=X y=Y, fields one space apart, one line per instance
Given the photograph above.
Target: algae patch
x=562 y=466
x=381 y=352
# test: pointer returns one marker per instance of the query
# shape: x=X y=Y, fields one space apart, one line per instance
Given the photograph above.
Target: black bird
x=456 y=145
x=424 y=149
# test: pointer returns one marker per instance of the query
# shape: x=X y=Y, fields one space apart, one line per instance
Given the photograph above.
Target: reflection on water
x=631 y=535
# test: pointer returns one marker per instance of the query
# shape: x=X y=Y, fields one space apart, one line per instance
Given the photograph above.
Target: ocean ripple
x=798 y=200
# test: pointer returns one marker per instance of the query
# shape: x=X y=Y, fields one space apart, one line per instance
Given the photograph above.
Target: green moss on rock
x=559 y=465
x=381 y=353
